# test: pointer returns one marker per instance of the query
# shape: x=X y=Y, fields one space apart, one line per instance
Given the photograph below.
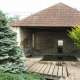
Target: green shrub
x=23 y=76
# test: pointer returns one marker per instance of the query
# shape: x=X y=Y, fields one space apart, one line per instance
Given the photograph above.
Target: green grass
x=23 y=76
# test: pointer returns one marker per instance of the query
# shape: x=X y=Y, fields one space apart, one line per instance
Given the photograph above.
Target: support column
x=33 y=40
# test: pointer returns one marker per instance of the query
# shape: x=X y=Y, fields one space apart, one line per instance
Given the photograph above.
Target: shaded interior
x=59 y=58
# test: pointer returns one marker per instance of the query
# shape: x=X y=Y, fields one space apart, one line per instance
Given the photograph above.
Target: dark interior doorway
x=60 y=46
x=60 y=49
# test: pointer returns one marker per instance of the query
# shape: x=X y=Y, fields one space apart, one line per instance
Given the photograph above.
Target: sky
x=27 y=7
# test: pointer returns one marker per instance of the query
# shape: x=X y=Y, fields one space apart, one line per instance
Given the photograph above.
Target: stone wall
x=44 y=41
x=48 y=42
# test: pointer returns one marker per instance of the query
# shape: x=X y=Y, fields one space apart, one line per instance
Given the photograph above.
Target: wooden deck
x=53 y=69
x=49 y=69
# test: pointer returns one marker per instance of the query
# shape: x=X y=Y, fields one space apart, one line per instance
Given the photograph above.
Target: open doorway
x=60 y=46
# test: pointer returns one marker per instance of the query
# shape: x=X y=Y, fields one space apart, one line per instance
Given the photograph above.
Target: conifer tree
x=10 y=53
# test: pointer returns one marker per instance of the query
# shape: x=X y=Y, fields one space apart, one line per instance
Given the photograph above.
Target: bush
x=23 y=76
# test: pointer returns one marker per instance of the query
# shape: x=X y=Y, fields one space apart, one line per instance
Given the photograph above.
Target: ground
x=75 y=71
x=73 y=66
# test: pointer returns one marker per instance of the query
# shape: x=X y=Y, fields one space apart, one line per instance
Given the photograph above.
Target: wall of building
x=47 y=42
x=44 y=41
x=17 y=30
x=26 y=38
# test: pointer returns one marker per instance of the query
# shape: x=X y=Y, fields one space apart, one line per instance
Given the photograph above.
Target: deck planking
x=43 y=69
x=60 y=71
x=40 y=67
x=48 y=69
x=64 y=71
x=55 y=73
x=32 y=67
x=35 y=68
x=51 y=69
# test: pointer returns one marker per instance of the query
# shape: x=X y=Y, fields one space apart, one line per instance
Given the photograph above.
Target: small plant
x=22 y=76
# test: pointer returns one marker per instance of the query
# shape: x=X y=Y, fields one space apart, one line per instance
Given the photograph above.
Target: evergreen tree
x=10 y=53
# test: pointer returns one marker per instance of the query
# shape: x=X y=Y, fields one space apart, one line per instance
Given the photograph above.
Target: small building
x=45 y=32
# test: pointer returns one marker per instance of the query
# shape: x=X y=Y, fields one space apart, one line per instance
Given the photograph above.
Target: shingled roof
x=56 y=15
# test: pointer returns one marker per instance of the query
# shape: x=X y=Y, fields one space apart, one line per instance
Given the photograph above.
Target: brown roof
x=56 y=15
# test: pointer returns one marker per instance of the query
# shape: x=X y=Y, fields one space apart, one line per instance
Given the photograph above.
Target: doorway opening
x=60 y=46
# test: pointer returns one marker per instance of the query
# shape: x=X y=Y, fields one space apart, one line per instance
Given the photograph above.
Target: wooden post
x=33 y=40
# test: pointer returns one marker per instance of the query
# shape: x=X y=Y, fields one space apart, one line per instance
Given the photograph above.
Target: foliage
x=3 y=20
x=10 y=53
x=12 y=19
x=22 y=76
x=12 y=67
x=75 y=35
